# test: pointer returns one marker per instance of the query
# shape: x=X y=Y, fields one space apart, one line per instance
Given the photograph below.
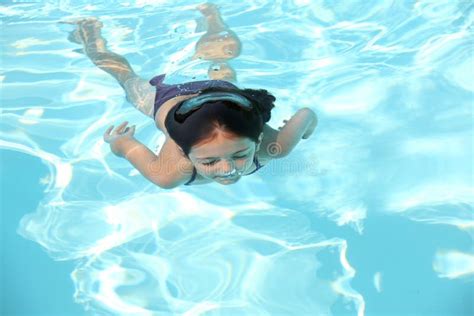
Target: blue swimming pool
x=373 y=215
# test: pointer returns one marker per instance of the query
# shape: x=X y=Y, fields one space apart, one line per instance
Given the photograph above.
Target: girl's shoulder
x=269 y=148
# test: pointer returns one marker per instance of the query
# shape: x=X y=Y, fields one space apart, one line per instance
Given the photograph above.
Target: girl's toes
x=92 y=22
x=75 y=37
x=207 y=8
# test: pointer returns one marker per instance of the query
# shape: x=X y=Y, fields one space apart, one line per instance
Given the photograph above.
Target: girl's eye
x=209 y=163
x=214 y=161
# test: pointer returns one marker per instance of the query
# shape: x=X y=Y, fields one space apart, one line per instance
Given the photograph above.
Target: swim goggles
x=232 y=173
x=189 y=106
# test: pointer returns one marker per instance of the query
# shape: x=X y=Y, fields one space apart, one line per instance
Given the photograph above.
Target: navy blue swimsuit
x=165 y=92
x=255 y=160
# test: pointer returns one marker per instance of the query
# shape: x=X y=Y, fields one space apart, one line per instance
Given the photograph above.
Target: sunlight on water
x=389 y=81
x=453 y=264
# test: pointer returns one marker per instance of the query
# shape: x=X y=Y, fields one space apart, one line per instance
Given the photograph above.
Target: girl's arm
x=300 y=126
x=167 y=170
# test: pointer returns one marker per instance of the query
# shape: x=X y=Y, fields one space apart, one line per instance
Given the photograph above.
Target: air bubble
x=180 y=29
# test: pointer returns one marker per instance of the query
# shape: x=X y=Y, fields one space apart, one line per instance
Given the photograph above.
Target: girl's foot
x=221 y=71
x=87 y=31
x=208 y=9
x=218 y=46
x=213 y=18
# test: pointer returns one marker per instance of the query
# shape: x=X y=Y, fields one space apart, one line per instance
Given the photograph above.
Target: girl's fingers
x=107 y=132
x=109 y=129
x=130 y=130
x=121 y=127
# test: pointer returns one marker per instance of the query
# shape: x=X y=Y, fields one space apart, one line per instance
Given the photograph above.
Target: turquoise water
x=373 y=215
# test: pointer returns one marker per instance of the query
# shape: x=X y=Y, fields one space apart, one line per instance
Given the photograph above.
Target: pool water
x=373 y=215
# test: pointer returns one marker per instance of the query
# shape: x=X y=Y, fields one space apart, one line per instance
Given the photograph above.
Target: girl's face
x=224 y=159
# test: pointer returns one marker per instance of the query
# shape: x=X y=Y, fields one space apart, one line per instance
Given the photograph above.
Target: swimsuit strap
x=193 y=177
x=257 y=163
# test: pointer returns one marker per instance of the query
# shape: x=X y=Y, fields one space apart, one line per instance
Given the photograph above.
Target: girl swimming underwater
x=215 y=131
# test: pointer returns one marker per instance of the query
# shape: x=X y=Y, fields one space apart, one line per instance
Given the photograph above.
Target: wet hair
x=202 y=125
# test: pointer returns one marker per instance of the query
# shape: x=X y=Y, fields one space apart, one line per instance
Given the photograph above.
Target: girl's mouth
x=227 y=178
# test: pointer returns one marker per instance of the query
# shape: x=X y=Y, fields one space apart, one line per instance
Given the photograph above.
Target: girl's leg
x=219 y=44
x=139 y=92
x=221 y=71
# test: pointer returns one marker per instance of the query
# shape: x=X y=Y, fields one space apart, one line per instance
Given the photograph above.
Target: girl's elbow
x=282 y=152
x=164 y=183
x=165 y=186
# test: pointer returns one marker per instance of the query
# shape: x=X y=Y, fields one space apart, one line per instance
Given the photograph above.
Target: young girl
x=215 y=131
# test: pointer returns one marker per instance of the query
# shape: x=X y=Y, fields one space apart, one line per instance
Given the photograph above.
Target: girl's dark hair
x=231 y=118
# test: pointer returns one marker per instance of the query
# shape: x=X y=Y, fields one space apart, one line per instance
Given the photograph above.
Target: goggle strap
x=193 y=103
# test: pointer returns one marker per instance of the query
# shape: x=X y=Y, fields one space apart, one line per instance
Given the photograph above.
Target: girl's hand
x=311 y=127
x=118 y=137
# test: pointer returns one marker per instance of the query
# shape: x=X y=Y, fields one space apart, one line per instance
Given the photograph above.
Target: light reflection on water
x=390 y=83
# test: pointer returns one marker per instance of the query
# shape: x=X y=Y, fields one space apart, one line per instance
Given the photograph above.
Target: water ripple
x=389 y=80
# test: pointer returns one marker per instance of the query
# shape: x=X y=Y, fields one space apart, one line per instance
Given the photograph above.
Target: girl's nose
x=227 y=166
